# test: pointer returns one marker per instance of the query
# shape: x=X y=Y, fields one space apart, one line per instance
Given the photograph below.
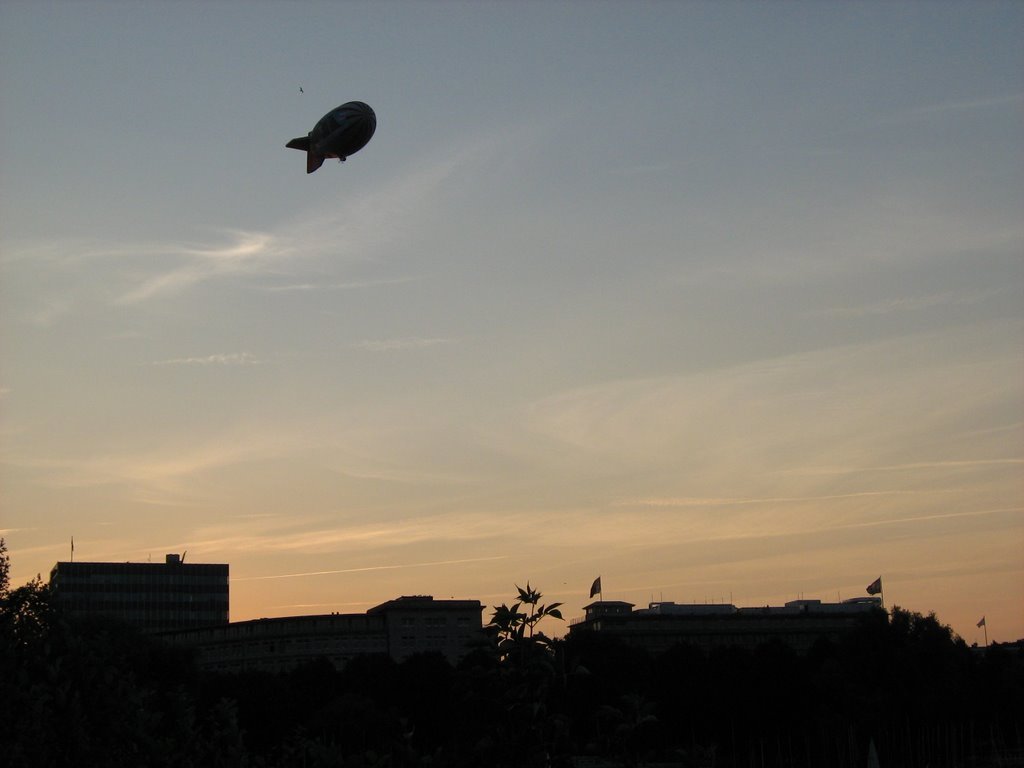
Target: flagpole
x=985 y=626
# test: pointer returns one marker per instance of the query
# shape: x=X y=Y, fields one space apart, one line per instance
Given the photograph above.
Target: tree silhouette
x=528 y=670
x=5 y=569
x=100 y=693
x=515 y=631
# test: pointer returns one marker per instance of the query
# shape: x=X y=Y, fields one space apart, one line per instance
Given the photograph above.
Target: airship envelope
x=341 y=132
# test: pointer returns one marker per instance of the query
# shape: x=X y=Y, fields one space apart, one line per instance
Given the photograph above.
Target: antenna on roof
x=183 y=555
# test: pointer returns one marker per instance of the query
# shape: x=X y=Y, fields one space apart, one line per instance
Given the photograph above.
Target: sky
x=721 y=302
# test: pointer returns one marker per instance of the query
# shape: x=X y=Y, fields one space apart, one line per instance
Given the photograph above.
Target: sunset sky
x=718 y=301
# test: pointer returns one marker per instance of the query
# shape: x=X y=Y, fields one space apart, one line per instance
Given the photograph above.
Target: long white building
x=659 y=626
x=398 y=628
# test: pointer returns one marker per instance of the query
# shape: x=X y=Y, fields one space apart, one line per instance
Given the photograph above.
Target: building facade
x=156 y=597
x=660 y=626
x=420 y=623
x=398 y=628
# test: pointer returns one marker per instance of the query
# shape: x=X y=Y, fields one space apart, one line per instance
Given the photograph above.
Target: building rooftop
x=423 y=603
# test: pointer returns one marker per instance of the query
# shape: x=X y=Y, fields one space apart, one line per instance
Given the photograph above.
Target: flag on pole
x=875 y=586
x=595 y=588
x=982 y=623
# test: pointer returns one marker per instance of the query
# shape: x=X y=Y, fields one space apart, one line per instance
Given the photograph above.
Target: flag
x=981 y=623
x=875 y=586
x=595 y=588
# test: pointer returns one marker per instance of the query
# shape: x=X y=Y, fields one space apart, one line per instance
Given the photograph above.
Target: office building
x=155 y=597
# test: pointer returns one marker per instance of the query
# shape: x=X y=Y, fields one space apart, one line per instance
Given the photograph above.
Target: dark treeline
x=99 y=693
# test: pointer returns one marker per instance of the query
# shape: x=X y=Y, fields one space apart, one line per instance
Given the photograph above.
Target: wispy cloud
x=49 y=311
x=157 y=474
x=916 y=465
x=856 y=400
x=638 y=170
x=737 y=502
x=345 y=285
x=352 y=231
x=927 y=518
x=246 y=253
x=801 y=528
x=232 y=358
x=907 y=304
x=954 y=106
x=323 y=241
x=391 y=345
x=317 y=535
x=374 y=568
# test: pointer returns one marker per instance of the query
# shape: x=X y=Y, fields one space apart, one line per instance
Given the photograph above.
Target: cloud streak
x=907 y=304
x=954 y=106
x=735 y=502
x=392 y=345
x=312 y=535
x=158 y=474
x=917 y=465
x=247 y=253
x=399 y=566
x=352 y=231
x=231 y=358
x=345 y=285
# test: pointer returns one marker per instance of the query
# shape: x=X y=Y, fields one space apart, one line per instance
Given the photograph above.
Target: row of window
x=436 y=621
x=432 y=641
x=118 y=574
x=126 y=607
x=134 y=588
x=173 y=623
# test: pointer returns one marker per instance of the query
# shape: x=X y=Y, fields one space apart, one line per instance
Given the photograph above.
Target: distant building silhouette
x=421 y=623
x=152 y=596
x=798 y=624
x=399 y=628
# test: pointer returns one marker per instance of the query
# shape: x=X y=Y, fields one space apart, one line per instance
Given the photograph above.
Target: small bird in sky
x=300 y=89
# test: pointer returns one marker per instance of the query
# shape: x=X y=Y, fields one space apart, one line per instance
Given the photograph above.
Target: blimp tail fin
x=313 y=161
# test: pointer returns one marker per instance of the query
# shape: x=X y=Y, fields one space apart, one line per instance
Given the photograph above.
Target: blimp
x=341 y=132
